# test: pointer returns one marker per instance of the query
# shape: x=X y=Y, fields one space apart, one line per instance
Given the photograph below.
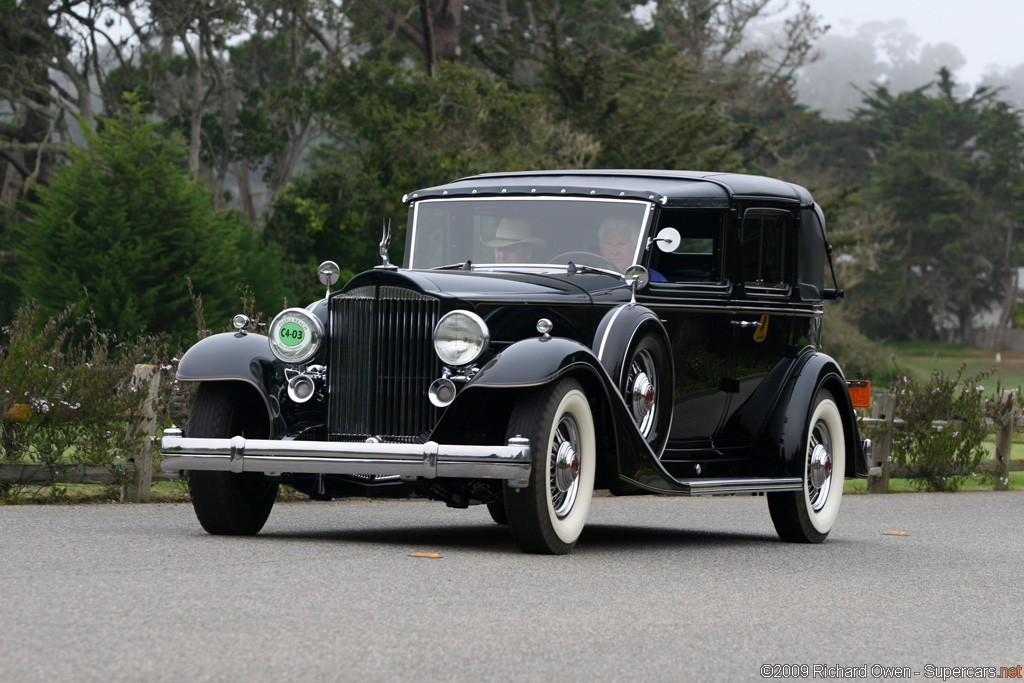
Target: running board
x=709 y=487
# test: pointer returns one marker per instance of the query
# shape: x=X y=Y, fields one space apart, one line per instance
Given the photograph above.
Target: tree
x=122 y=228
x=952 y=173
x=394 y=130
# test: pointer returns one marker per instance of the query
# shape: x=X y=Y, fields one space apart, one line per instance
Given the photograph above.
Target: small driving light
x=460 y=337
x=240 y=322
x=544 y=325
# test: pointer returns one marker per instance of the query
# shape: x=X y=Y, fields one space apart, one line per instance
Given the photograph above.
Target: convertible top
x=701 y=189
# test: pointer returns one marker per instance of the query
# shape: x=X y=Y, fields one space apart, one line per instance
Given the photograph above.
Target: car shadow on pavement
x=491 y=537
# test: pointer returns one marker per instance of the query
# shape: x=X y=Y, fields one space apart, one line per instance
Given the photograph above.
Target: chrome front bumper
x=428 y=460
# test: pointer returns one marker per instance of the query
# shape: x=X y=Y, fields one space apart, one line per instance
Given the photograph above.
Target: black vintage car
x=549 y=334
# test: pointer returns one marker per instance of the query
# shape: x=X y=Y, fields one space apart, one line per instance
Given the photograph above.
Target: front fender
x=532 y=362
x=487 y=400
x=230 y=357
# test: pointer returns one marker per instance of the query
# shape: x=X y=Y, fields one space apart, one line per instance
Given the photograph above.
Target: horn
x=301 y=388
x=441 y=392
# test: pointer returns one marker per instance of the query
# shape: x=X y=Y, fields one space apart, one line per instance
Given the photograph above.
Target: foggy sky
x=987 y=32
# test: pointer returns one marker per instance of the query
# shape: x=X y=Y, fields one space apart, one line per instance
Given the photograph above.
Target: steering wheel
x=587 y=258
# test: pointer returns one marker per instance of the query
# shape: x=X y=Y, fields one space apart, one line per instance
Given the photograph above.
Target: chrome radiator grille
x=382 y=361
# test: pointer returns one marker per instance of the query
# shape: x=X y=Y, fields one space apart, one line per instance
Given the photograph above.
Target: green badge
x=292 y=334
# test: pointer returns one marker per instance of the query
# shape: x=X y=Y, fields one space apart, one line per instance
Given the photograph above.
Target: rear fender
x=785 y=433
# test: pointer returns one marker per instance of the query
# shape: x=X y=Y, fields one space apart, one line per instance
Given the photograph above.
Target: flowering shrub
x=944 y=425
x=65 y=392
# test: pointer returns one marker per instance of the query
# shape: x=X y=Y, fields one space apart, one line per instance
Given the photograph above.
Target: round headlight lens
x=460 y=337
x=295 y=335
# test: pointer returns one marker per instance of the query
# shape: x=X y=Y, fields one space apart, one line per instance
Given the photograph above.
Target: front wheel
x=547 y=516
x=224 y=502
x=807 y=516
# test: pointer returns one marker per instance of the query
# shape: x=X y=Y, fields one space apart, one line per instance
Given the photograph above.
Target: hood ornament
x=385 y=244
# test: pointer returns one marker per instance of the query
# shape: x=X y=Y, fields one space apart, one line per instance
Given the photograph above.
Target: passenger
x=514 y=241
x=617 y=238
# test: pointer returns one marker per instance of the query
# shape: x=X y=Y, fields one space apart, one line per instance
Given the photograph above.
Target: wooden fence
x=140 y=471
x=883 y=421
x=136 y=475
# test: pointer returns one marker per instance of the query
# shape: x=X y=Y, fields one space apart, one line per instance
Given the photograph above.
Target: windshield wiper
x=466 y=265
x=574 y=268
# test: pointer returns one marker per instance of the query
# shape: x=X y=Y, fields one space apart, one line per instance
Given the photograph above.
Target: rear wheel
x=807 y=516
x=548 y=515
x=227 y=503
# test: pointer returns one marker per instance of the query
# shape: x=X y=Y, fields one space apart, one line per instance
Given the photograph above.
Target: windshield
x=603 y=233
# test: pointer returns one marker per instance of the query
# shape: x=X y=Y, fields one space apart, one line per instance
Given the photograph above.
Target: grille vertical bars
x=381 y=364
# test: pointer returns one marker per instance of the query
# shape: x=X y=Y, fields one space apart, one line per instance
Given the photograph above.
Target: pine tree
x=122 y=227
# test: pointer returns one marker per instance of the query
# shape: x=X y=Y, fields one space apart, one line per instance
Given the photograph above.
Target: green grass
x=162 y=492
x=907 y=485
x=923 y=358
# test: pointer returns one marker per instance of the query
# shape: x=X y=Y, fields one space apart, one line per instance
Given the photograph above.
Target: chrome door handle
x=745 y=323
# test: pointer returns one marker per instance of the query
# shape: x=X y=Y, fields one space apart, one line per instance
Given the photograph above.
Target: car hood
x=499 y=285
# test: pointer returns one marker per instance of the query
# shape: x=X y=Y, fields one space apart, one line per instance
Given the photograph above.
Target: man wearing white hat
x=514 y=241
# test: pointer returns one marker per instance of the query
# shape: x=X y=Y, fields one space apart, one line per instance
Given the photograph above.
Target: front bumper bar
x=429 y=460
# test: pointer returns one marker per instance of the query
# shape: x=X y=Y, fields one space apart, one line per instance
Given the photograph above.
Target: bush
x=945 y=454
x=123 y=226
x=859 y=356
x=66 y=393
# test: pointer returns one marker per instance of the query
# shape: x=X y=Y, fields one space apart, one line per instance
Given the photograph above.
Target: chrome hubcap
x=819 y=466
x=565 y=466
x=641 y=391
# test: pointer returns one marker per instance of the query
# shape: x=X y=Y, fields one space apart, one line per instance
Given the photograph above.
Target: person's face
x=513 y=253
x=617 y=245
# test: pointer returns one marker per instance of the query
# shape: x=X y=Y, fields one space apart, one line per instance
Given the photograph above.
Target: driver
x=514 y=241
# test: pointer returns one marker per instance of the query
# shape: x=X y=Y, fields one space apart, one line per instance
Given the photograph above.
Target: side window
x=698 y=258
x=763 y=253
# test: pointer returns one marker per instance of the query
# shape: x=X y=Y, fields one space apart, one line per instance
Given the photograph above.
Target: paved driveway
x=657 y=589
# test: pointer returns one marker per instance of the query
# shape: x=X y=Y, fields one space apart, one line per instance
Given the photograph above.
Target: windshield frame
x=415 y=261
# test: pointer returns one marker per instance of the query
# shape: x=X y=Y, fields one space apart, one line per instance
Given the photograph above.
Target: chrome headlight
x=460 y=337
x=295 y=335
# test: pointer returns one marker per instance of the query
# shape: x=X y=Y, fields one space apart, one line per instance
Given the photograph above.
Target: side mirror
x=328 y=272
x=636 y=277
x=667 y=240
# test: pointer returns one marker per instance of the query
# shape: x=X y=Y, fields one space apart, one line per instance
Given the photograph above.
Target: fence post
x=1004 y=438
x=136 y=490
x=883 y=409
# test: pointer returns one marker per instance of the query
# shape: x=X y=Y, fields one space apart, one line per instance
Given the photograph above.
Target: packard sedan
x=548 y=334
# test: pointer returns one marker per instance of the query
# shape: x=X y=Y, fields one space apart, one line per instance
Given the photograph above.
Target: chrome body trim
x=707 y=487
x=428 y=460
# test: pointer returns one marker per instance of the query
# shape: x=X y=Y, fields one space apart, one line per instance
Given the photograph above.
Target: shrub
x=859 y=356
x=65 y=392
x=124 y=225
x=944 y=425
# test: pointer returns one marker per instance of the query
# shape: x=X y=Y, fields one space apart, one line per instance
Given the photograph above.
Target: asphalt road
x=657 y=589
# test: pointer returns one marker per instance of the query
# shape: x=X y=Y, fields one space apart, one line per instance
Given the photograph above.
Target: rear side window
x=763 y=252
